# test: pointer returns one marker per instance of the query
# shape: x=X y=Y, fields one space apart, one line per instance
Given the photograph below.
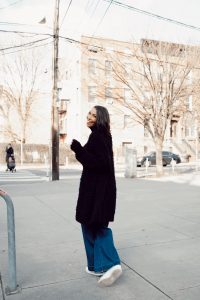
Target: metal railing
x=12 y=287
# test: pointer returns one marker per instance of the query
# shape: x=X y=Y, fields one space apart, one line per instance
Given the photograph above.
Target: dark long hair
x=102 y=118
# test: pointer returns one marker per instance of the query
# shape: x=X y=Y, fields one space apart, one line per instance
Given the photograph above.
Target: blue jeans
x=100 y=250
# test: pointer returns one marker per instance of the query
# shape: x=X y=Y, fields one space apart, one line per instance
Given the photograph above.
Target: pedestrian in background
x=97 y=197
x=9 y=154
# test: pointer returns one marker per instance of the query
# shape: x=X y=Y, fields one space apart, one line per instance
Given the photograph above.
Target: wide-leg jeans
x=100 y=250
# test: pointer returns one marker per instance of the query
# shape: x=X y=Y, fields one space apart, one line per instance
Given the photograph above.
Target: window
x=189 y=103
x=189 y=77
x=109 y=50
x=127 y=121
x=92 y=91
x=128 y=96
x=108 y=95
x=190 y=131
x=108 y=68
x=92 y=66
x=173 y=128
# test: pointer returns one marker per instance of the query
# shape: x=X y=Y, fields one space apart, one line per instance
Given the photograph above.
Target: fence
x=36 y=153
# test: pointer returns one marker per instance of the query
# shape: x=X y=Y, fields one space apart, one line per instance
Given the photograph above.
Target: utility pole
x=54 y=111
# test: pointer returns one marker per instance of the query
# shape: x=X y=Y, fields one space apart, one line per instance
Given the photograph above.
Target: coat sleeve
x=96 y=155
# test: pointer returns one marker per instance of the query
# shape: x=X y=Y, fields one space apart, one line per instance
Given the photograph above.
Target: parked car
x=167 y=158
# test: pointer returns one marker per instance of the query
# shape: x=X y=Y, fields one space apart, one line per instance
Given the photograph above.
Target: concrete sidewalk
x=156 y=231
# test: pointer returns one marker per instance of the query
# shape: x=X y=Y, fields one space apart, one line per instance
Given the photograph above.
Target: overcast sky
x=99 y=18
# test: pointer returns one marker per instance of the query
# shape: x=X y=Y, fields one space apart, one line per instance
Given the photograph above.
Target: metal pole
x=146 y=165
x=21 y=149
x=55 y=121
x=12 y=287
x=196 y=146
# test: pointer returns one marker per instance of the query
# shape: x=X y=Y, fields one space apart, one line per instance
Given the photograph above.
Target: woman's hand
x=75 y=145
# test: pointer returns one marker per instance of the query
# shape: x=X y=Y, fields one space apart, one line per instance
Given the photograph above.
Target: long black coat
x=9 y=152
x=97 y=191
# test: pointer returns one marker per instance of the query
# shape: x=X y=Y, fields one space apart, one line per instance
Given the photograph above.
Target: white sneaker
x=110 y=276
x=93 y=273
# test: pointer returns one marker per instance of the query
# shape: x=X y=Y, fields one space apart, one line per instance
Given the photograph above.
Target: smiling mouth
x=89 y=123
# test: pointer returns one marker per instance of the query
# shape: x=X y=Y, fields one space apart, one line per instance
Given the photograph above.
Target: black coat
x=97 y=191
x=9 y=152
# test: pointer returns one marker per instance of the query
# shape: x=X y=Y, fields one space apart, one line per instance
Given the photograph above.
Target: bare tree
x=156 y=77
x=21 y=79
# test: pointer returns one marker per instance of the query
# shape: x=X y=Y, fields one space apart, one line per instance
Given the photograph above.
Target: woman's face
x=91 y=117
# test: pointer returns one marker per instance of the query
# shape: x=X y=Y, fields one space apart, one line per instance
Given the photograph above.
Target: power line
x=95 y=8
x=11 y=4
x=101 y=20
x=21 y=24
x=10 y=23
x=19 y=31
x=87 y=6
x=70 y=40
x=96 y=5
x=111 y=2
x=153 y=15
x=81 y=21
x=26 y=44
x=66 y=13
x=28 y=48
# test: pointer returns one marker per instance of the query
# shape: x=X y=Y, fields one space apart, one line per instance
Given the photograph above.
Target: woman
x=9 y=154
x=97 y=197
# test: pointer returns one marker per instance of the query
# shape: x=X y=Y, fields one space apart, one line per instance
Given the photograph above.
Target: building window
x=190 y=131
x=92 y=66
x=127 y=121
x=109 y=49
x=189 y=103
x=108 y=68
x=189 y=77
x=109 y=95
x=92 y=92
x=128 y=97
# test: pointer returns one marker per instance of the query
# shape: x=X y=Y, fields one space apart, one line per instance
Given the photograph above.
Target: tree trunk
x=22 y=142
x=159 y=162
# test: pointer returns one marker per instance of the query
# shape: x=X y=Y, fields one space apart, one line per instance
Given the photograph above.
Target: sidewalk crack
x=148 y=281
